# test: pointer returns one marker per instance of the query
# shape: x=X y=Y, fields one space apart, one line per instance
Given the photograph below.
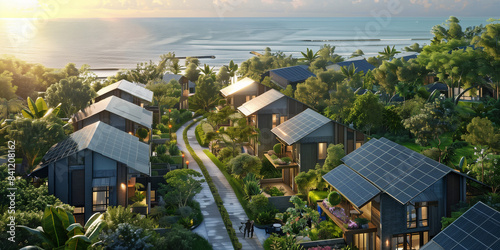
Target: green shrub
x=201 y=133
x=274 y=157
x=250 y=177
x=156 y=137
x=268 y=170
x=334 y=198
x=266 y=217
x=173 y=150
x=274 y=191
x=252 y=188
x=277 y=148
x=161 y=149
x=328 y=230
x=226 y=154
x=286 y=159
x=316 y=195
x=118 y=215
x=165 y=136
x=142 y=133
x=258 y=203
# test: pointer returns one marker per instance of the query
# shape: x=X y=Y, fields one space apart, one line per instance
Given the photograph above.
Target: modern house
x=477 y=228
x=359 y=63
x=131 y=92
x=188 y=88
x=402 y=193
x=267 y=111
x=289 y=75
x=242 y=91
x=305 y=139
x=406 y=55
x=116 y=112
x=95 y=167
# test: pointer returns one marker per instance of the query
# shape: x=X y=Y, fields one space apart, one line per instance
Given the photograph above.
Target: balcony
x=348 y=232
x=281 y=166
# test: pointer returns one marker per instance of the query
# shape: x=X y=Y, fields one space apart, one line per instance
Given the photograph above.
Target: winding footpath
x=213 y=227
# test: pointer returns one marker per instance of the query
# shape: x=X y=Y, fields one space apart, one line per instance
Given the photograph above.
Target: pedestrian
x=248 y=224
x=251 y=229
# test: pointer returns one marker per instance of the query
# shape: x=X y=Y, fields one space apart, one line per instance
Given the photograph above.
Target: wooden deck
x=278 y=166
x=371 y=228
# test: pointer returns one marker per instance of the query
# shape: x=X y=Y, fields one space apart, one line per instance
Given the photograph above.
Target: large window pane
x=411 y=216
x=322 y=146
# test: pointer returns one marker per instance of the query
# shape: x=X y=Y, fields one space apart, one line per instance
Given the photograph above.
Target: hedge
x=201 y=130
x=218 y=200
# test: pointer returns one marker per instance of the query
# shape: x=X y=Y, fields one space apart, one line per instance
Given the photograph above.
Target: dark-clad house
x=406 y=55
x=267 y=111
x=91 y=169
x=242 y=91
x=305 y=139
x=116 y=112
x=188 y=88
x=402 y=193
x=477 y=228
x=289 y=75
x=360 y=64
x=132 y=92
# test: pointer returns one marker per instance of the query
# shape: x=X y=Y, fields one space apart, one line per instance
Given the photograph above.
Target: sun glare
x=18 y=7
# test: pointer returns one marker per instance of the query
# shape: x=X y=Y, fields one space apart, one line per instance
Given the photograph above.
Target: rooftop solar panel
x=395 y=169
x=135 y=89
x=477 y=228
x=259 y=102
x=300 y=126
x=106 y=140
x=351 y=185
x=294 y=73
x=118 y=107
x=233 y=88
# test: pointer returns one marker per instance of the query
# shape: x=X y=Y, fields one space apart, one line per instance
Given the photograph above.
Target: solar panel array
x=395 y=169
x=106 y=140
x=118 y=107
x=259 y=102
x=477 y=228
x=360 y=65
x=300 y=126
x=351 y=185
x=233 y=88
x=138 y=90
x=294 y=73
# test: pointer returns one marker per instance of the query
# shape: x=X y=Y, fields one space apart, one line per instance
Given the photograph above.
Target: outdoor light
x=182 y=160
x=123 y=186
x=187 y=164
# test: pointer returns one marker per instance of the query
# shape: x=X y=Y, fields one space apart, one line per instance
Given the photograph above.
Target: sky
x=245 y=8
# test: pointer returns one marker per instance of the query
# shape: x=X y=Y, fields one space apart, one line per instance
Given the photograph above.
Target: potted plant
x=362 y=222
x=138 y=206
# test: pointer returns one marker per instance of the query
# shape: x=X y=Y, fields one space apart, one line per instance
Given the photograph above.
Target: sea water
x=122 y=43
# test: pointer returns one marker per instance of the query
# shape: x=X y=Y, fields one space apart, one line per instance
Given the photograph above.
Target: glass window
x=411 y=216
x=322 y=146
x=100 y=198
x=276 y=119
x=409 y=241
x=282 y=119
x=423 y=214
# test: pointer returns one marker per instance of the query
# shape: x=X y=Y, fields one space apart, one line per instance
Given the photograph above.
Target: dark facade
x=242 y=91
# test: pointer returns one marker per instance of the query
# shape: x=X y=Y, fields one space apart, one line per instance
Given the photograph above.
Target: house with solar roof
x=266 y=112
x=477 y=228
x=116 y=112
x=402 y=193
x=94 y=168
x=289 y=76
x=359 y=63
x=305 y=139
x=131 y=92
x=242 y=91
x=188 y=88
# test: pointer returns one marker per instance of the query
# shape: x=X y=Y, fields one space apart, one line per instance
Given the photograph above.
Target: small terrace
x=340 y=217
x=283 y=165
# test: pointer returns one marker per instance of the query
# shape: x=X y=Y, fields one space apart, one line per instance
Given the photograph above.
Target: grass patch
x=165 y=136
x=218 y=200
x=314 y=196
x=236 y=184
x=177 y=159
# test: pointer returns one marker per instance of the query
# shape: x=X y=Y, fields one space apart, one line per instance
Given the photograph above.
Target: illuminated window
x=100 y=198
x=282 y=119
x=322 y=150
x=249 y=97
x=411 y=216
x=423 y=214
x=276 y=118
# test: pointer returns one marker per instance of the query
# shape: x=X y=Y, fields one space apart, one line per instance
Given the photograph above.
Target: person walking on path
x=251 y=229
x=246 y=232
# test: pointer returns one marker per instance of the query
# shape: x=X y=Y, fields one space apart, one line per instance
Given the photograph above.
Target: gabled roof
x=106 y=140
x=294 y=74
x=394 y=169
x=299 y=126
x=118 y=107
x=135 y=89
x=259 y=102
x=477 y=228
x=406 y=55
x=239 y=85
x=359 y=62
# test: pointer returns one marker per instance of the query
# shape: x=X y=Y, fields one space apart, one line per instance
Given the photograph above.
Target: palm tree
x=389 y=52
x=357 y=53
x=207 y=70
x=309 y=56
x=348 y=71
x=10 y=106
x=38 y=109
x=232 y=68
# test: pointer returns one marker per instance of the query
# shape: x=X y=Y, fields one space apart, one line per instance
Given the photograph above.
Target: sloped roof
x=436 y=86
x=259 y=102
x=406 y=55
x=294 y=74
x=477 y=228
x=299 y=126
x=106 y=140
x=118 y=107
x=239 y=85
x=360 y=64
x=135 y=89
x=394 y=169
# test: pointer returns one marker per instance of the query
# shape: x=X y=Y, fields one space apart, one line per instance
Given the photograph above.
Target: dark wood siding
x=308 y=156
x=77 y=185
x=452 y=192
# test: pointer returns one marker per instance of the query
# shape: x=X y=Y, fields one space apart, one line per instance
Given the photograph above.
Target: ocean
x=122 y=43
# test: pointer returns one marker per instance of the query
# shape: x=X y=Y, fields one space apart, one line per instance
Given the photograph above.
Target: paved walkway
x=233 y=206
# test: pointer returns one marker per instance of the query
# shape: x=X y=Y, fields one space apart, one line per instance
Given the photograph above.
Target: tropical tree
x=232 y=68
x=239 y=133
x=223 y=76
x=206 y=96
x=206 y=70
x=340 y=103
x=192 y=72
x=244 y=164
x=306 y=181
x=451 y=29
x=413 y=48
x=39 y=109
x=312 y=92
x=72 y=93
x=309 y=56
x=9 y=106
x=182 y=186
x=348 y=71
x=389 y=52
x=335 y=153
x=8 y=90
x=357 y=53
x=59 y=230
x=366 y=112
